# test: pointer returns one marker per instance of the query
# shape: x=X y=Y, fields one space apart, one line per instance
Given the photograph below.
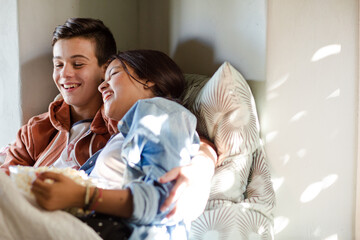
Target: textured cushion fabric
x=234 y=222
x=248 y=219
x=226 y=112
x=242 y=197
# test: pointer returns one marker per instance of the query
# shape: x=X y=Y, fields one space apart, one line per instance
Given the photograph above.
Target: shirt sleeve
x=159 y=135
x=19 y=152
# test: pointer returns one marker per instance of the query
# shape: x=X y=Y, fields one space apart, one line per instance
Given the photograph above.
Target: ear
x=149 y=83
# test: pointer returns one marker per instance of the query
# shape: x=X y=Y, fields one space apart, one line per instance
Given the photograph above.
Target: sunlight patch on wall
x=317 y=232
x=271 y=136
x=332 y=237
x=277 y=182
x=314 y=189
x=334 y=94
x=286 y=159
x=298 y=116
x=271 y=96
x=301 y=153
x=326 y=52
x=278 y=83
x=280 y=223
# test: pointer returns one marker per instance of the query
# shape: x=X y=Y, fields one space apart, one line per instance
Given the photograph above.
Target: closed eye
x=113 y=73
x=78 y=65
x=58 y=65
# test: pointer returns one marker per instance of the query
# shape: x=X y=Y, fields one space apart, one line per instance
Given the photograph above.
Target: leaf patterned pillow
x=226 y=112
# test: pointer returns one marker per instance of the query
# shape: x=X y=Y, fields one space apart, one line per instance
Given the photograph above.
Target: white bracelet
x=87 y=194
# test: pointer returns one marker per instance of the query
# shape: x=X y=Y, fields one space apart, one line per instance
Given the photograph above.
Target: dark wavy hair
x=156 y=67
x=88 y=28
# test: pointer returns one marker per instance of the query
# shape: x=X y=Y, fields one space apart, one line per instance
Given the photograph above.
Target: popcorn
x=23 y=176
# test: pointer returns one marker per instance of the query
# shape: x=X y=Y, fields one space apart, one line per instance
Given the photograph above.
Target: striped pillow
x=226 y=113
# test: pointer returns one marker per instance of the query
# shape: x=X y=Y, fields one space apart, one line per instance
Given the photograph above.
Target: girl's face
x=120 y=92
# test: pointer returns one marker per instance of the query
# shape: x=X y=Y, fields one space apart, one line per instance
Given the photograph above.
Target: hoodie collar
x=59 y=114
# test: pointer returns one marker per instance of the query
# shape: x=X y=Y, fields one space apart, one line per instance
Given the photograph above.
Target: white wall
x=310 y=116
x=203 y=34
x=10 y=112
x=10 y=116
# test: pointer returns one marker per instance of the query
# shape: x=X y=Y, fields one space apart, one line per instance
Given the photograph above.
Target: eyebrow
x=74 y=56
x=112 y=68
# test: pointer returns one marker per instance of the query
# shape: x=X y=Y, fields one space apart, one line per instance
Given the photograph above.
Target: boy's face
x=77 y=74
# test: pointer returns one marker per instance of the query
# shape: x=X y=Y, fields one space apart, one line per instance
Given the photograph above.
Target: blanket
x=21 y=218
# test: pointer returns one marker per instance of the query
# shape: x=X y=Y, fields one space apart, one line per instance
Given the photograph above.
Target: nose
x=103 y=86
x=67 y=71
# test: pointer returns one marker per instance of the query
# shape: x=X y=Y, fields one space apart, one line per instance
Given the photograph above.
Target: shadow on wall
x=197 y=57
x=120 y=16
x=194 y=56
x=37 y=86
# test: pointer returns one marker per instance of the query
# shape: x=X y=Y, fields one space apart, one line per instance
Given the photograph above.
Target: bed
x=242 y=198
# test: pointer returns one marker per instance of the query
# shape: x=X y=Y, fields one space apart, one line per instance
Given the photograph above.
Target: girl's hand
x=54 y=191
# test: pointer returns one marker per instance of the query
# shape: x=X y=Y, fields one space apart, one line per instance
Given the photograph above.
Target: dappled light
x=278 y=83
x=271 y=136
x=286 y=159
x=271 y=96
x=301 y=153
x=334 y=94
x=228 y=180
x=280 y=224
x=277 y=182
x=314 y=189
x=332 y=237
x=317 y=232
x=298 y=116
x=154 y=123
x=326 y=52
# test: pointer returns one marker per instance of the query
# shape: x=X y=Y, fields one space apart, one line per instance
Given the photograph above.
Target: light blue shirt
x=159 y=135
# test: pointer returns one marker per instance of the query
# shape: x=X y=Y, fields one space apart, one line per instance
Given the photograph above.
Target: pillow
x=226 y=112
x=194 y=84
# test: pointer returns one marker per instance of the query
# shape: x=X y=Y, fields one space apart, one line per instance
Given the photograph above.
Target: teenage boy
x=75 y=127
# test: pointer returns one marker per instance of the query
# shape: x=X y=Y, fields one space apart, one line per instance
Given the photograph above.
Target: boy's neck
x=78 y=114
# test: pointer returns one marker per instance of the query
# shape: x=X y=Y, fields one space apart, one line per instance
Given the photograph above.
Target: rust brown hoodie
x=41 y=141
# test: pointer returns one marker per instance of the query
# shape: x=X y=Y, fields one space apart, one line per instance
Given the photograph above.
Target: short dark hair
x=156 y=67
x=88 y=28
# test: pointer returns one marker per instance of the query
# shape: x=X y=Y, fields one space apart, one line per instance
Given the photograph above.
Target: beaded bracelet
x=93 y=196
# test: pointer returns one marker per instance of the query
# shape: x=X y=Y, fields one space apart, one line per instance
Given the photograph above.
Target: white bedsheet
x=22 y=219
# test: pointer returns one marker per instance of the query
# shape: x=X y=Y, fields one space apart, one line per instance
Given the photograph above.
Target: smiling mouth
x=106 y=96
x=70 y=86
